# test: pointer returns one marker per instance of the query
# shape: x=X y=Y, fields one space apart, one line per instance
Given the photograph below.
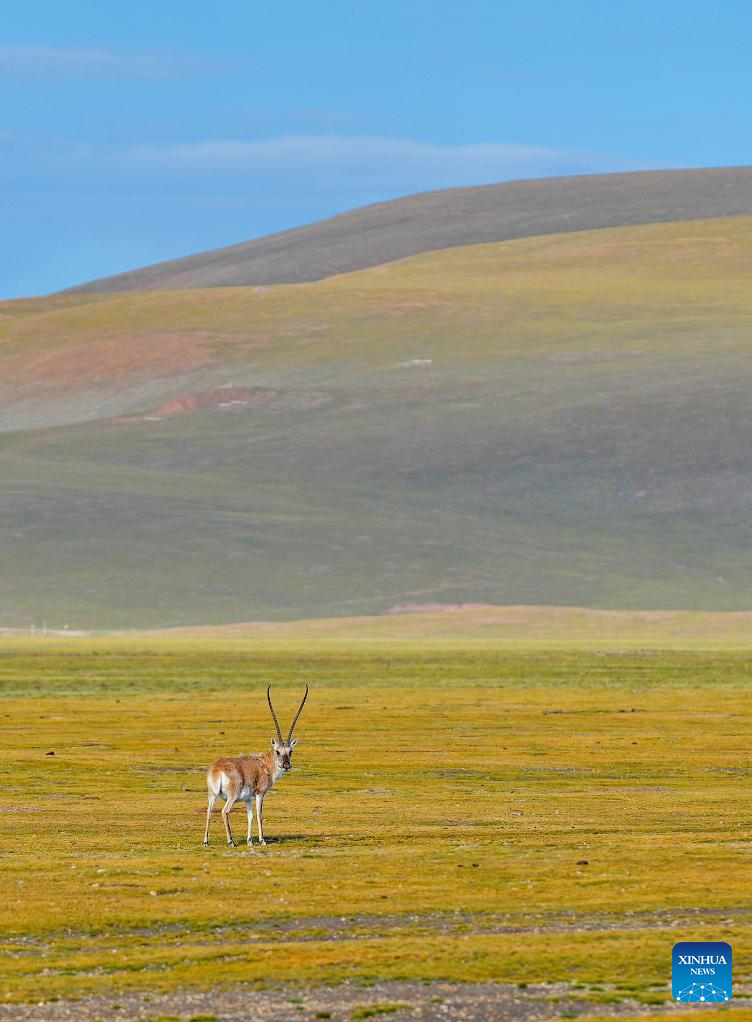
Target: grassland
x=469 y=815
x=575 y=431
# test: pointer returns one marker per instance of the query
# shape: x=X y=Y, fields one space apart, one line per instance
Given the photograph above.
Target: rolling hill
x=561 y=419
x=454 y=217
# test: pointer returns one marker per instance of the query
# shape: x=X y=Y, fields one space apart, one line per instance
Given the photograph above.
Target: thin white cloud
x=327 y=160
x=338 y=170
x=386 y=163
x=37 y=60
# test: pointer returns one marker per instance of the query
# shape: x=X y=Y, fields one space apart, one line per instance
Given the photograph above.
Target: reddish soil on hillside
x=231 y=397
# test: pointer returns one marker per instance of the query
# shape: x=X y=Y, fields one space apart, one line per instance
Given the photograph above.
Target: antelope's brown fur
x=253 y=773
x=248 y=778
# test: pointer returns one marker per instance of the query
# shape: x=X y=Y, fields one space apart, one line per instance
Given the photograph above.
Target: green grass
x=374 y=1010
x=412 y=767
x=580 y=437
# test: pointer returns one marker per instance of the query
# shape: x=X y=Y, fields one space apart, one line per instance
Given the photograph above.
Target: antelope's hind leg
x=232 y=797
x=209 y=811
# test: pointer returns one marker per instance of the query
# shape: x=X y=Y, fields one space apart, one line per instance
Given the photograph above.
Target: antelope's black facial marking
x=283 y=753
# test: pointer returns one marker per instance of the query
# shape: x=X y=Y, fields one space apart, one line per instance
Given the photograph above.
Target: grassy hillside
x=452 y=217
x=559 y=420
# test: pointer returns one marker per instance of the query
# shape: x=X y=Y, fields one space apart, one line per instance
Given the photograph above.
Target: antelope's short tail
x=215 y=781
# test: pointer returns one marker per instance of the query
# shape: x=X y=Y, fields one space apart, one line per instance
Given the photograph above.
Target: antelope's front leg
x=260 y=818
x=249 y=810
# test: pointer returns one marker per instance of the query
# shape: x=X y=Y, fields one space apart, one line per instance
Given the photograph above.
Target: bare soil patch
x=459 y=1002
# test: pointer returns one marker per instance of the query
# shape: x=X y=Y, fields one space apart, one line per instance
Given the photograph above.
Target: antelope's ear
x=293 y=743
x=274 y=743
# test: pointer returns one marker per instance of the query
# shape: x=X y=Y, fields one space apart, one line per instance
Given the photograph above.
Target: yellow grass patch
x=465 y=825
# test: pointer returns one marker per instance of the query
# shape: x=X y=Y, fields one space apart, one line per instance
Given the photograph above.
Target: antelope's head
x=283 y=749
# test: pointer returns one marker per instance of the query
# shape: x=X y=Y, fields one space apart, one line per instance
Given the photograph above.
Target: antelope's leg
x=260 y=817
x=209 y=811
x=249 y=810
x=232 y=797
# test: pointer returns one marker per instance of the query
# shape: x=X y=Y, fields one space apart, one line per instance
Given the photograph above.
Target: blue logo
x=701 y=971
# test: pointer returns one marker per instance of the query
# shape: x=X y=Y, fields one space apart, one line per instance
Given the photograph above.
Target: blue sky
x=131 y=133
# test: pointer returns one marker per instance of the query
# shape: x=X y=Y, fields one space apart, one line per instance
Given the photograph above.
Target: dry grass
x=529 y=817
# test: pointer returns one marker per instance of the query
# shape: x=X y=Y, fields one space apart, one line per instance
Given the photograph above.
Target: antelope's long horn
x=300 y=710
x=274 y=715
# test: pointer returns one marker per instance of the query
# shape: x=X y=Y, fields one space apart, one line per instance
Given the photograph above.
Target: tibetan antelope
x=245 y=778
